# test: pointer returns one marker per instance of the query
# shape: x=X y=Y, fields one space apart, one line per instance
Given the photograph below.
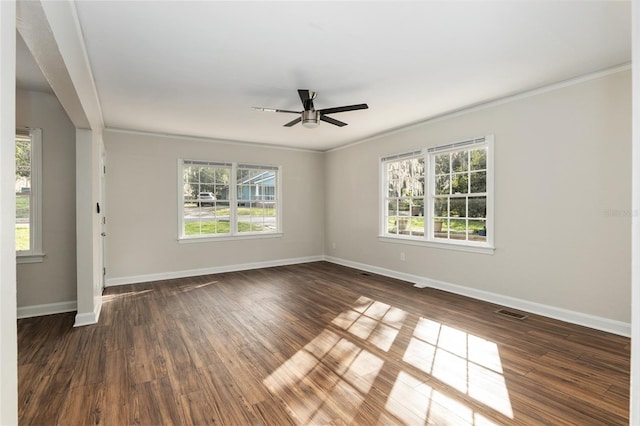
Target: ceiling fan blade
x=306 y=97
x=343 y=108
x=276 y=110
x=293 y=122
x=332 y=121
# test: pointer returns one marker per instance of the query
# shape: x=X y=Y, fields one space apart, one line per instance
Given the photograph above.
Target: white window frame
x=35 y=253
x=486 y=247
x=233 y=204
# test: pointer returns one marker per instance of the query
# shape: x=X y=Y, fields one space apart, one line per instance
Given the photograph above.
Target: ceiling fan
x=311 y=117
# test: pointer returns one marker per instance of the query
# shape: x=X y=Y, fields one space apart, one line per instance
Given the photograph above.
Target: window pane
x=207 y=174
x=478 y=207
x=460 y=161
x=458 y=207
x=442 y=164
x=222 y=192
x=440 y=229
x=392 y=172
x=392 y=208
x=458 y=229
x=23 y=193
x=270 y=218
x=460 y=183
x=204 y=227
x=243 y=174
x=207 y=187
x=417 y=207
x=479 y=159
x=405 y=190
x=392 y=225
x=404 y=208
x=478 y=181
x=404 y=225
x=222 y=176
x=256 y=194
x=442 y=184
x=441 y=207
x=417 y=226
x=192 y=191
x=23 y=237
x=394 y=188
x=477 y=230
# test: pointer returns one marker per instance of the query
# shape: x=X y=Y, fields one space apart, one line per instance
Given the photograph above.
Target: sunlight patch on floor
x=327 y=379
x=333 y=374
x=468 y=363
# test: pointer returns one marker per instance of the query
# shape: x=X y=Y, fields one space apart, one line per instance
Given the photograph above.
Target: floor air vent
x=511 y=314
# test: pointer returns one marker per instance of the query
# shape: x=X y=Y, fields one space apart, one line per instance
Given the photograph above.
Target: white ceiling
x=197 y=68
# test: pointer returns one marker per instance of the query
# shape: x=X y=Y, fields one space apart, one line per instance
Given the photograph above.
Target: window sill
x=30 y=258
x=209 y=239
x=439 y=245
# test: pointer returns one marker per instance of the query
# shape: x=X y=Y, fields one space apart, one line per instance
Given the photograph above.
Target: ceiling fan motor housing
x=310 y=118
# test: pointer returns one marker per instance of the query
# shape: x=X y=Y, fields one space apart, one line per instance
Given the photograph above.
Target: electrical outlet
x=333 y=246
x=402 y=256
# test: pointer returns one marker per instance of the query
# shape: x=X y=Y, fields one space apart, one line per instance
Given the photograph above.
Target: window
x=405 y=195
x=441 y=195
x=228 y=199
x=28 y=195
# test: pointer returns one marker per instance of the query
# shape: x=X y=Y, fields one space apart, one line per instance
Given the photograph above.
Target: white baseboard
x=586 y=320
x=46 y=309
x=88 y=318
x=111 y=282
x=591 y=321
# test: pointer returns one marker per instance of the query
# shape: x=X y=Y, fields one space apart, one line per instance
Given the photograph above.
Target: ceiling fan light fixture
x=310 y=119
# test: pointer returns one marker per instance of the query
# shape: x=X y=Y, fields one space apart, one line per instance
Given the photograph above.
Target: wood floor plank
x=314 y=343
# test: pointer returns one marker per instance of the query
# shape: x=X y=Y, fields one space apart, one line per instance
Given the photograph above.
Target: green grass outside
x=22 y=206
x=458 y=225
x=242 y=211
x=416 y=226
x=22 y=237
x=248 y=211
x=219 y=227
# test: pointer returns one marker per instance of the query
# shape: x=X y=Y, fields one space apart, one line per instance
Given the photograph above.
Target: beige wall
x=562 y=191
x=53 y=280
x=562 y=200
x=142 y=206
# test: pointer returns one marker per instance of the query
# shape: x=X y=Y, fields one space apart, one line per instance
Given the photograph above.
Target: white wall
x=562 y=200
x=54 y=280
x=142 y=207
x=89 y=249
x=634 y=409
x=8 y=329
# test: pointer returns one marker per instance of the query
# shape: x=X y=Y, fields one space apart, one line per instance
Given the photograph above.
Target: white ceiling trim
x=209 y=140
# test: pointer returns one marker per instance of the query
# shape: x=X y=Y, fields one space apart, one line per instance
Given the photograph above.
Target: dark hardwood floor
x=314 y=344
